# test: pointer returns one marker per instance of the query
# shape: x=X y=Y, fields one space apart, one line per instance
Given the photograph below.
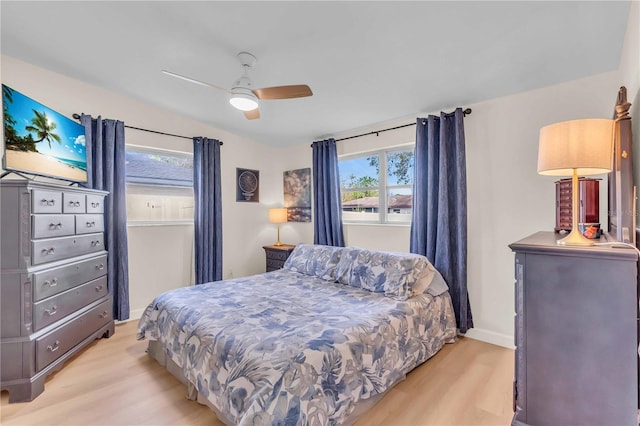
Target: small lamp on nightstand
x=572 y=148
x=278 y=216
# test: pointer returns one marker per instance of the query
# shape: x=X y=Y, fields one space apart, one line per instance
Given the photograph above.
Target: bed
x=311 y=343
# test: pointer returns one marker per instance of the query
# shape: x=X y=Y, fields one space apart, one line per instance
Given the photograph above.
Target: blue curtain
x=208 y=209
x=327 y=227
x=439 y=218
x=106 y=171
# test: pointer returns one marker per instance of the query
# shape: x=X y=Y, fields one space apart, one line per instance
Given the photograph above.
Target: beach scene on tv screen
x=41 y=141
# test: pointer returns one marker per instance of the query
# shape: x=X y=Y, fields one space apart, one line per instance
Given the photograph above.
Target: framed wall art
x=297 y=195
x=247 y=185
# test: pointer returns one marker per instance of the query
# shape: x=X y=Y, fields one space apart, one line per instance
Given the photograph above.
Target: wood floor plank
x=114 y=382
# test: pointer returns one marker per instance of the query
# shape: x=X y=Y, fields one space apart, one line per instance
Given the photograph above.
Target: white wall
x=160 y=257
x=291 y=158
x=630 y=77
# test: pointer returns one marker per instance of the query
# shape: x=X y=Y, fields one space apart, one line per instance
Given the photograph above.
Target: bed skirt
x=157 y=352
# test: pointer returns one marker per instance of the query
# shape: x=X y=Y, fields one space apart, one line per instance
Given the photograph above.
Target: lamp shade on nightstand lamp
x=576 y=148
x=278 y=216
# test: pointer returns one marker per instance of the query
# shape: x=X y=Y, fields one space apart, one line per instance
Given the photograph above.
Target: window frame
x=382 y=188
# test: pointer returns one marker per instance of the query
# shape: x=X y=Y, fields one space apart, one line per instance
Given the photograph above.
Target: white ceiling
x=366 y=62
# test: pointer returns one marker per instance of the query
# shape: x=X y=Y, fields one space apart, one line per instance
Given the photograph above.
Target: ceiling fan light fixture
x=243 y=99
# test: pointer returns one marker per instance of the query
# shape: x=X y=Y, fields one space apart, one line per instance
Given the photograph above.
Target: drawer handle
x=104 y=314
x=55 y=225
x=46 y=252
x=74 y=203
x=94 y=205
x=91 y=224
x=54 y=347
x=51 y=312
x=95 y=243
x=99 y=288
x=52 y=283
x=46 y=202
x=100 y=267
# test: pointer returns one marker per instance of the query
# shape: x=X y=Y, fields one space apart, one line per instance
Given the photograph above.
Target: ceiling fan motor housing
x=246 y=59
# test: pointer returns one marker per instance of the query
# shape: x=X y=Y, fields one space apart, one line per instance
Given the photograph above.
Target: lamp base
x=575 y=238
x=278 y=243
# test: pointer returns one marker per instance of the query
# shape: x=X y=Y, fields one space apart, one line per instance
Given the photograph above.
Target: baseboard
x=504 y=340
x=133 y=316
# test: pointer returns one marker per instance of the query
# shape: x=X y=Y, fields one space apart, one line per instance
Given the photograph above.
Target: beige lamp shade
x=584 y=145
x=278 y=215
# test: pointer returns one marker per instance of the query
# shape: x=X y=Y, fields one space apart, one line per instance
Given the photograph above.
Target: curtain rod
x=77 y=117
x=376 y=132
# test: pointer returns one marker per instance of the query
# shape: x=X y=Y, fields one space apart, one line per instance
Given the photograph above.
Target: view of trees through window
x=362 y=183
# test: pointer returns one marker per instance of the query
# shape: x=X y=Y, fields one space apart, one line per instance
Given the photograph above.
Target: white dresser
x=53 y=294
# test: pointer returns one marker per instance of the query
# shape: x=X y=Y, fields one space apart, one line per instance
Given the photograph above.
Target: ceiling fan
x=243 y=96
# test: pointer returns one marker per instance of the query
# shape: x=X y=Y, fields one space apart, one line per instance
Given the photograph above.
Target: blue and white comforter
x=287 y=348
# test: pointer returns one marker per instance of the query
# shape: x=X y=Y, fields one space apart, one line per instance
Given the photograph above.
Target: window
x=374 y=197
x=159 y=167
x=159 y=186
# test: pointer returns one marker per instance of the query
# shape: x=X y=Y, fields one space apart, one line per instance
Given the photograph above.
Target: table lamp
x=278 y=216
x=572 y=148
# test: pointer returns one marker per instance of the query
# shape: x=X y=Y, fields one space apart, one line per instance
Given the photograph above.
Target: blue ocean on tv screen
x=80 y=164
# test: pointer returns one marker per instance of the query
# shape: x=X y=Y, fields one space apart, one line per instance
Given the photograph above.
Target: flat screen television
x=40 y=141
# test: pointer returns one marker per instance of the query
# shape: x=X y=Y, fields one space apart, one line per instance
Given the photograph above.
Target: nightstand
x=277 y=255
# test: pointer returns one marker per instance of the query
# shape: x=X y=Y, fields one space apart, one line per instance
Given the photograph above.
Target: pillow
x=393 y=274
x=315 y=260
x=430 y=281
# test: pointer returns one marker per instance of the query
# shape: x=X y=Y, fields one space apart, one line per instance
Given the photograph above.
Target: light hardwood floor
x=114 y=382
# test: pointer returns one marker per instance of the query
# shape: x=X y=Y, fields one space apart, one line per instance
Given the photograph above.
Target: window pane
x=399 y=204
x=361 y=172
x=158 y=167
x=360 y=205
x=362 y=187
x=400 y=168
x=149 y=203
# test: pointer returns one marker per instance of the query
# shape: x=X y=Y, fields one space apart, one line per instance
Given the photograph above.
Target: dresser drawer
x=57 y=307
x=273 y=264
x=95 y=203
x=277 y=254
x=53 y=345
x=53 y=281
x=50 y=225
x=65 y=247
x=44 y=201
x=74 y=202
x=88 y=223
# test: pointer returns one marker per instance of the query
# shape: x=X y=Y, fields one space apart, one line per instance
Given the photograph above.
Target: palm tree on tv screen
x=40 y=125
x=43 y=128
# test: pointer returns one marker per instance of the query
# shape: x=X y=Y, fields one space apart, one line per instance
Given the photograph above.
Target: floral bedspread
x=287 y=348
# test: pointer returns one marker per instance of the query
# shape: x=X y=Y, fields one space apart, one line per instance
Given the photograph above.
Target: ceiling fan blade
x=253 y=114
x=191 y=80
x=283 y=92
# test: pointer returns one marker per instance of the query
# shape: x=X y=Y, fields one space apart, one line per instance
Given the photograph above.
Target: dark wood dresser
x=277 y=255
x=576 y=333
x=589 y=198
